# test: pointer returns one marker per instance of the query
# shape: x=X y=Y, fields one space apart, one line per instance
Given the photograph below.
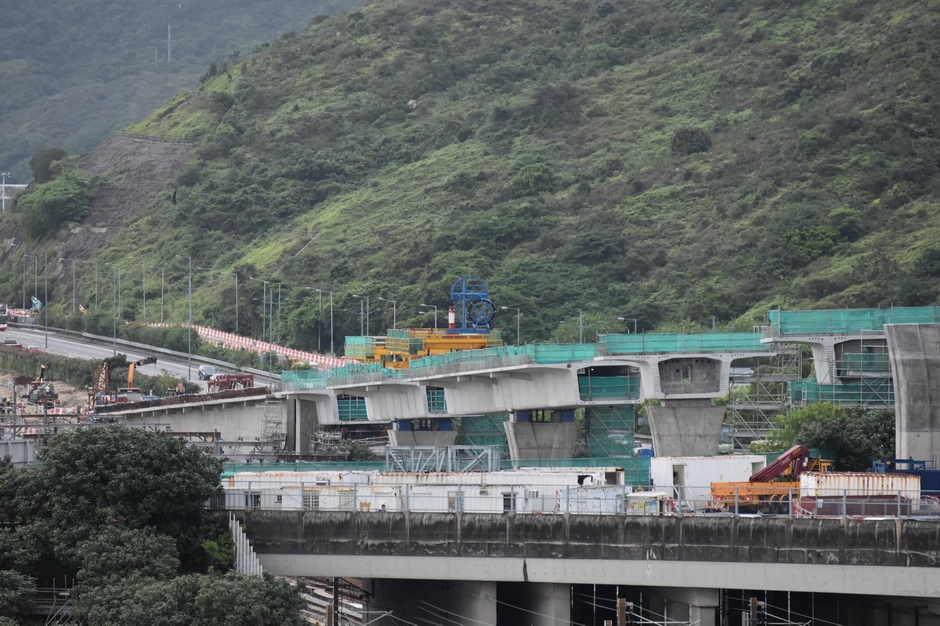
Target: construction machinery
x=130 y=389
x=771 y=489
x=228 y=382
x=41 y=391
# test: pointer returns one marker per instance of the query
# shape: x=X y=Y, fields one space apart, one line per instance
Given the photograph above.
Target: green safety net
x=663 y=343
x=865 y=364
x=609 y=387
x=876 y=392
x=484 y=430
x=609 y=431
x=358 y=347
x=304 y=379
x=848 y=321
x=436 y=401
x=352 y=409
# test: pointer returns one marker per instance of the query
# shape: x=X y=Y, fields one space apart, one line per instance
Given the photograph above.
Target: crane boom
x=130 y=372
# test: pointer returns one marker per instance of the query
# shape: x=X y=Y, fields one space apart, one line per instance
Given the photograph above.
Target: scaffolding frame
x=452 y=459
x=760 y=396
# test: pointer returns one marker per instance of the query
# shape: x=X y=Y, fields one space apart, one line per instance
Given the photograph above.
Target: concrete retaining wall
x=898 y=543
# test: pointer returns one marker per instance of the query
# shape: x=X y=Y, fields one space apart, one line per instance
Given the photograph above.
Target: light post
x=518 y=316
x=3 y=189
x=117 y=268
x=211 y=296
x=361 y=298
x=114 y=274
x=143 y=284
x=321 y=292
x=162 y=283
x=45 y=275
x=433 y=306
x=235 y=274
x=96 y=282
x=73 y=281
x=394 y=311
x=189 y=364
x=629 y=319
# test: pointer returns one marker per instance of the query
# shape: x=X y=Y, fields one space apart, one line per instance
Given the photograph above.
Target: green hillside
x=669 y=161
x=73 y=72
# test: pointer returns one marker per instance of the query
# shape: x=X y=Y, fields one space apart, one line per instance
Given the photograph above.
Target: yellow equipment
x=130 y=374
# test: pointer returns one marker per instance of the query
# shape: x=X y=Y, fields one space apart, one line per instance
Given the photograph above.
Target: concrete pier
x=529 y=437
x=914 y=350
x=686 y=427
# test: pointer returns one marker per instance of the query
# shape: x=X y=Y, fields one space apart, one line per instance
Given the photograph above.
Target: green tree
x=126 y=477
x=195 y=600
x=16 y=591
x=41 y=163
x=855 y=435
x=117 y=553
x=687 y=141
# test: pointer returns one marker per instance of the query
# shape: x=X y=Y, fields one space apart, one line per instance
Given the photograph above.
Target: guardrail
x=545 y=499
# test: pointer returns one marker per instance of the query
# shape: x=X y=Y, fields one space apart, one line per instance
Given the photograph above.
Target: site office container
x=689 y=478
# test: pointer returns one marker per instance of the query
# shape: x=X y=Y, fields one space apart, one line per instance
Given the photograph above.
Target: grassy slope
x=820 y=188
x=78 y=71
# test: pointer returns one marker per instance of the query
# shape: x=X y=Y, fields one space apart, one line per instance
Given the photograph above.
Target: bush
x=41 y=163
x=53 y=204
x=533 y=180
x=687 y=141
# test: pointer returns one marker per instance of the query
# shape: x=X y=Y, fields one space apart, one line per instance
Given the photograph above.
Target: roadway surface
x=81 y=348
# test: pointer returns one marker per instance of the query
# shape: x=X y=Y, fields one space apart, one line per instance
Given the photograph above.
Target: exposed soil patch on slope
x=142 y=168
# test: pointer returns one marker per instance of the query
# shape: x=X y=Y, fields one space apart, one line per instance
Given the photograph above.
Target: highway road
x=71 y=346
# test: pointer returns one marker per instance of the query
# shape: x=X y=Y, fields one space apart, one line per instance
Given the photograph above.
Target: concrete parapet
x=895 y=543
x=416 y=438
x=914 y=350
x=686 y=427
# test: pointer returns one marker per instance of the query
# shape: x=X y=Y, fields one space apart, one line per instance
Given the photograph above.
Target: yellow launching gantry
x=470 y=308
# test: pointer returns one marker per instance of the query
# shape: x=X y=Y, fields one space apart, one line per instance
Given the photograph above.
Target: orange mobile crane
x=771 y=489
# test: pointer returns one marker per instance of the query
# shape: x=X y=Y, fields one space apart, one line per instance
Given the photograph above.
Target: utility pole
x=3 y=188
x=169 y=40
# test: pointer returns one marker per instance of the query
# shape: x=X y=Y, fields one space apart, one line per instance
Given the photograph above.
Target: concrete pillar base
x=541 y=440
x=686 y=427
x=914 y=350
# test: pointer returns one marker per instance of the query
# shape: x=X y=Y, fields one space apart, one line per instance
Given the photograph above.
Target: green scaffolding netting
x=871 y=393
x=625 y=387
x=609 y=431
x=659 y=343
x=848 y=321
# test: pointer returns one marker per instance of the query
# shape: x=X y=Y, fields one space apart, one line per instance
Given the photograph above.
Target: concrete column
x=685 y=427
x=542 y=440
x=534 y=604
x=467 y=602
x=307 y=424
x=290 y=412
x=914 y=350
x=698 y=606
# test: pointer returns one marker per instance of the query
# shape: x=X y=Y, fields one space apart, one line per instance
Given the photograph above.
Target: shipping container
x=830 y=484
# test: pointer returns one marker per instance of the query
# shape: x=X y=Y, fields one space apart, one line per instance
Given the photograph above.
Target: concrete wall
x=232 y=420
x=414 y=438
x=690 y=375
x=914 y=350
x=892 y=557
x=685 y=427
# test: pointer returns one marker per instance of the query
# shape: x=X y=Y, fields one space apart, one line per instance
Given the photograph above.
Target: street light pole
x=73 y=281
x=211 y=296
x=45 y=272
x=162 y=283
x=518 y=311
x=3 y=189
x=96 y=282
x=235 y=274
x=394 y=311
x=360 y=313
x=629 y=319
x=143 y=278
x=321 y=292
x=189 y=364
x=433 y=306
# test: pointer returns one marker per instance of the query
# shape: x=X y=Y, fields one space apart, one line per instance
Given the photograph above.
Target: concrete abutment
x=686 y=427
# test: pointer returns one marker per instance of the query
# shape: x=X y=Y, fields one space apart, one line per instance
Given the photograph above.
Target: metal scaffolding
x=760 y=393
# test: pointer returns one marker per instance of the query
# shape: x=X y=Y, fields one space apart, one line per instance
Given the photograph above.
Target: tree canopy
x=123 y=511
x=855 y=435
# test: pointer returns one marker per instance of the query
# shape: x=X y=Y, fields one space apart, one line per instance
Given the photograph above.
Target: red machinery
x=227 y=382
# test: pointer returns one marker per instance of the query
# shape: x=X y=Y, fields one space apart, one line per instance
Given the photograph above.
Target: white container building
x=689 y=478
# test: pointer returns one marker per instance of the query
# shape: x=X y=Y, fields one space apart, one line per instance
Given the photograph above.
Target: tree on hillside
x=53 y=204
x=41 y=163
x=855 y=435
